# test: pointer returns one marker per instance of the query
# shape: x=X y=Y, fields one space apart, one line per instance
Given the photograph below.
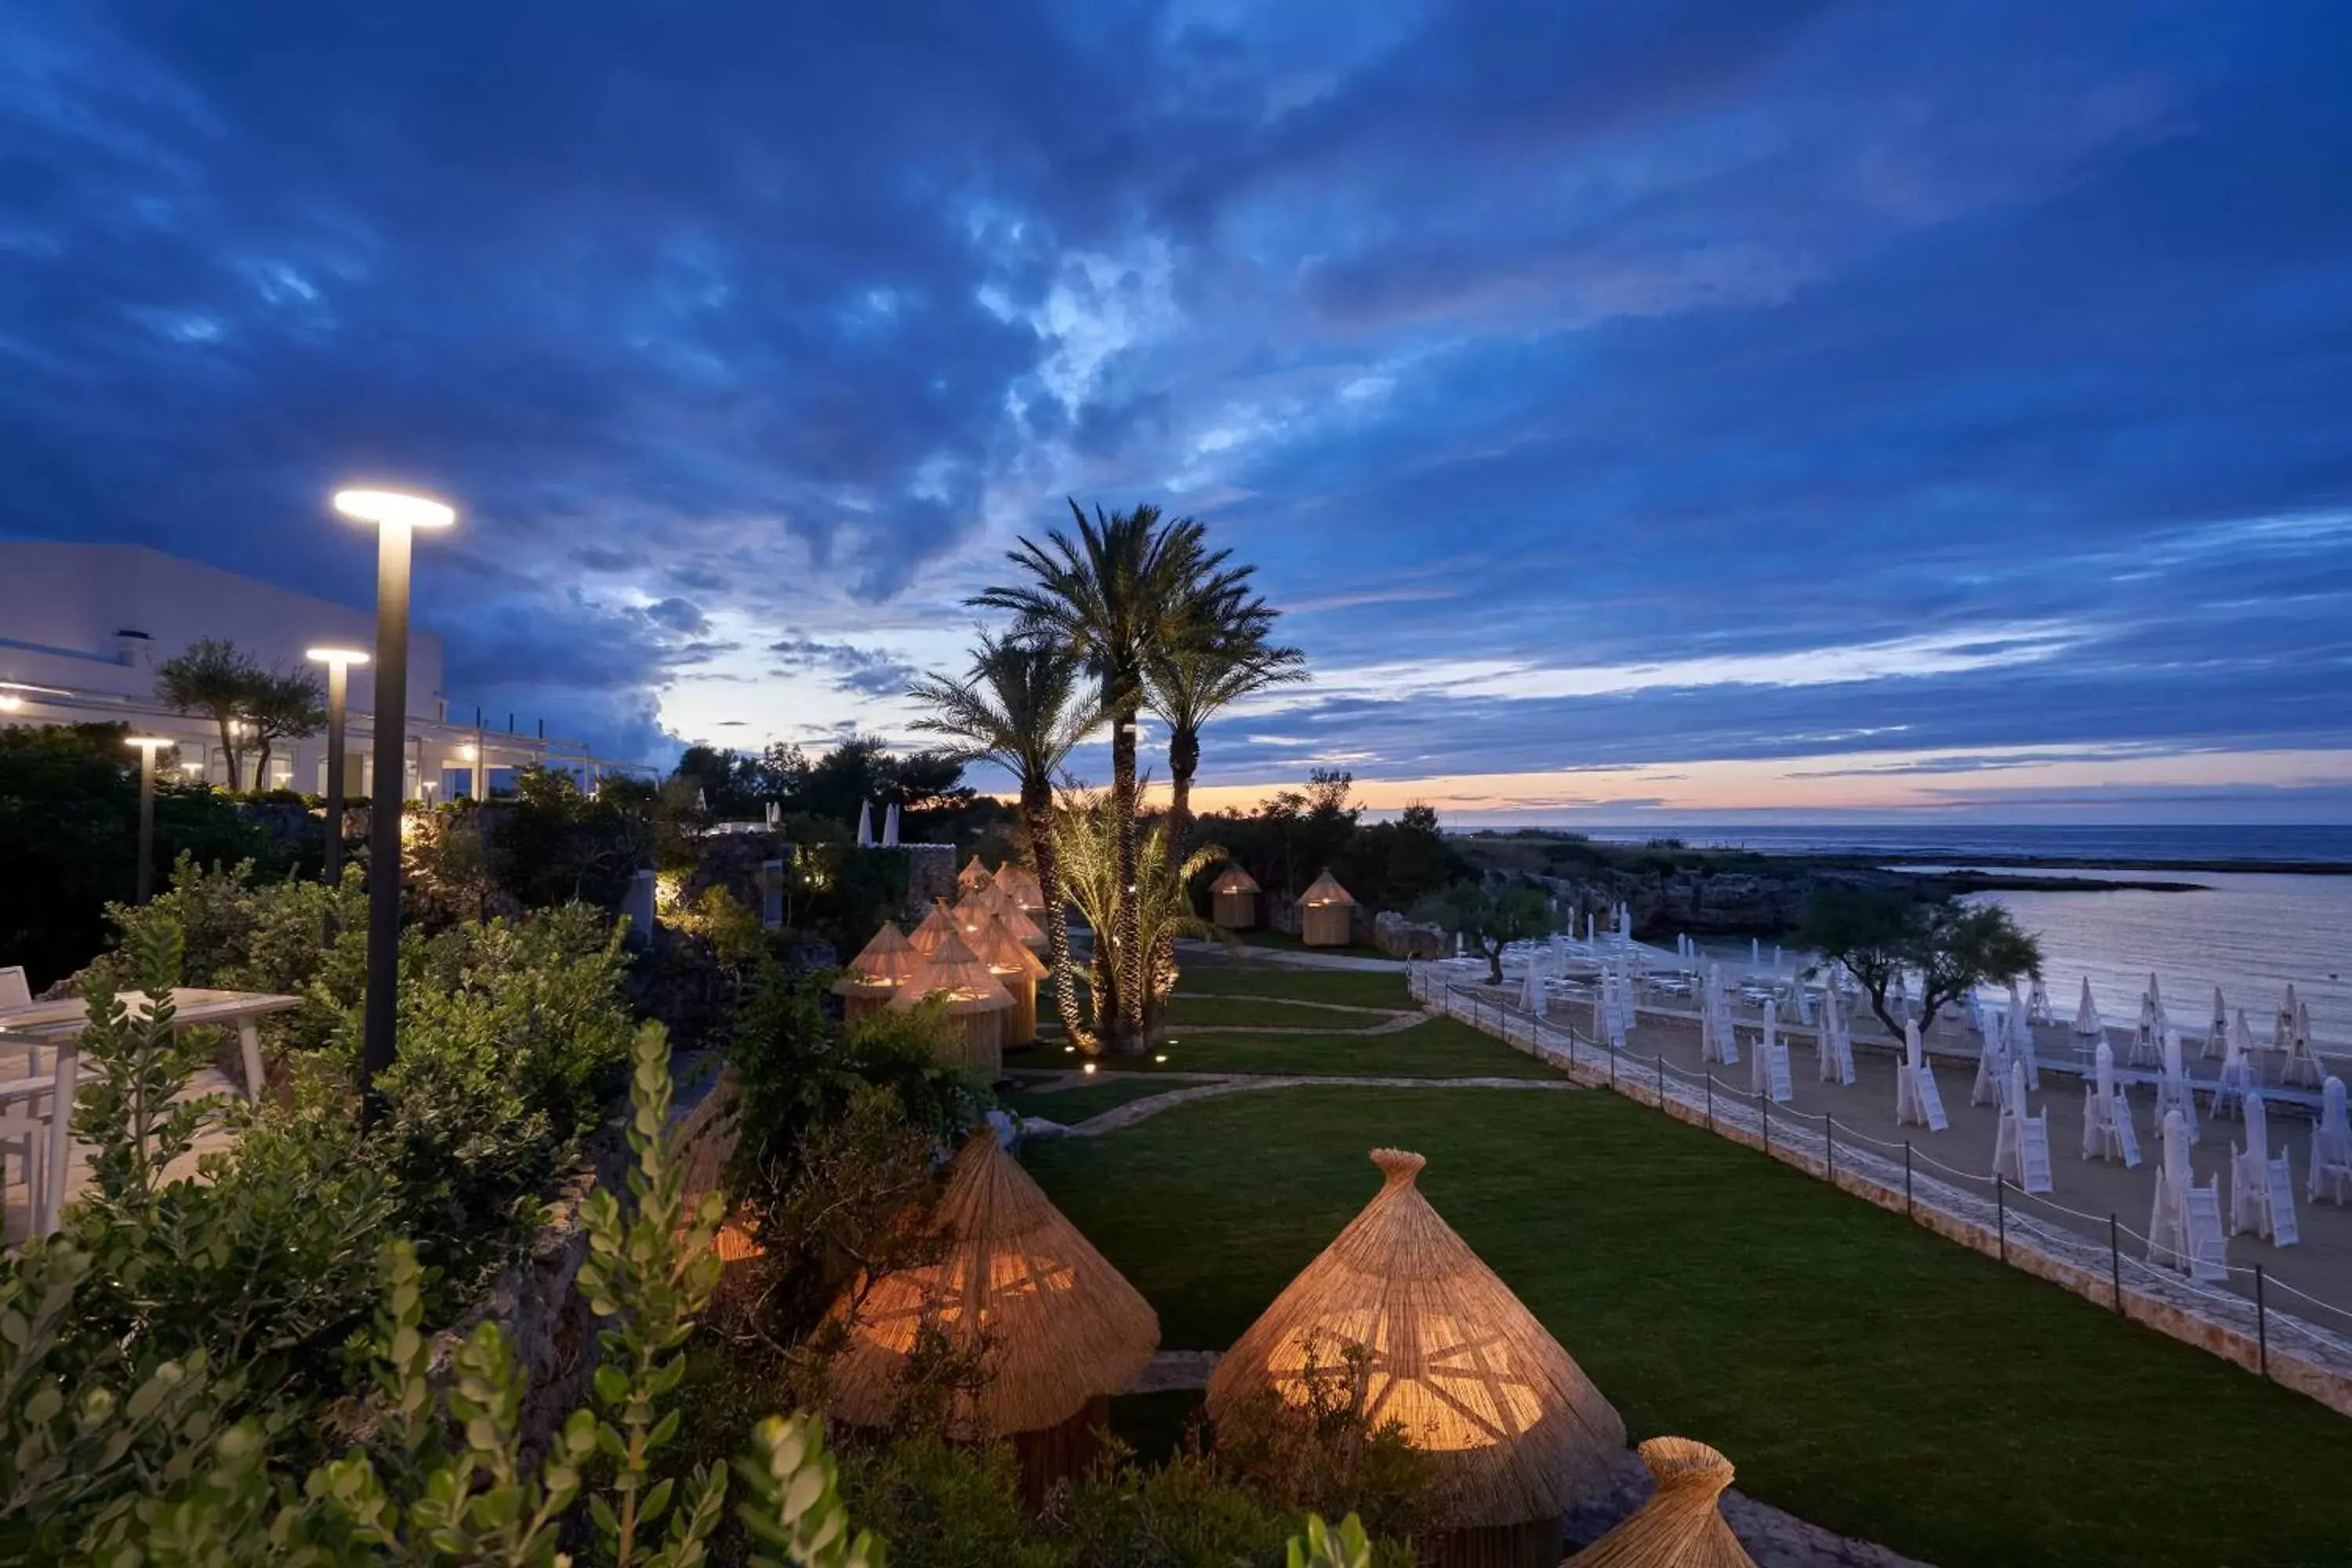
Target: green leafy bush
x=69 y=840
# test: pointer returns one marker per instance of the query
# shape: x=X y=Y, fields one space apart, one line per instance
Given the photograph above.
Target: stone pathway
x=1774 y=1538
x=1392 y=1020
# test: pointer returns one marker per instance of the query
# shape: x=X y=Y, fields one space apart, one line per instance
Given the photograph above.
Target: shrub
x=69 y=840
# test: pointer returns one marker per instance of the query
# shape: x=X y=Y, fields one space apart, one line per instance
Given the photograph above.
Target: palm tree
x=1086 y=834
x=1126 y=587
x=1229 y=656
x=1023 y=708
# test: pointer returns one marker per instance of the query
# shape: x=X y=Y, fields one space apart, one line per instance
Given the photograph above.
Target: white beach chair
x=2331 y=1146
x=2262 y=1187
x=2184 y=1230
x=1917 y=1101
x=1768 y=1076
x=14 y=991
x=1991 y=1087
x=2108 y=1130
x=2021 y=1150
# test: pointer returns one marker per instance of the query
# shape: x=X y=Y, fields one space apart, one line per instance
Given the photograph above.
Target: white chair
x=2261 y=1190
x=2172 y=1088
x=2107 y=1131
x=2237 y=1074
x=15 y=992
x=2184 y=1230
x=2021 y=1150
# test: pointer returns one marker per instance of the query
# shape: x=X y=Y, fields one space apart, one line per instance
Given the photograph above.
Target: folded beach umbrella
x=2087 y=1023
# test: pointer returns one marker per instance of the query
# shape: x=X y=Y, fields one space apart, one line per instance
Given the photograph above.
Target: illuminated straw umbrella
x=977 y=1004
x=886 y=966
x=973 y=876
x=934 y=928
x=1063 y=1329
x=1682 y=1525
x=1520 y=1434
x=1016 y=969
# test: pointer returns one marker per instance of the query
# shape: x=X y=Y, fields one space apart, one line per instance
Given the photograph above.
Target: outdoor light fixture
x=1090 y=1067
x=397 y=517
x=13 y=694
x=339 y=662
x=148 y=746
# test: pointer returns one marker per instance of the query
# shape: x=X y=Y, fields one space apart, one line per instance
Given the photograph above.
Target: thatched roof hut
x=1520 y=1433
x=1021 y=885
x=1016 y=969
x=974 y=874
x=1065 y=1329
x=886 y=967
x=1325 y=911
x=1004 y=907
x=1682 y=1524
x=978 y=1003
x=1233 y=898
x=940 y=924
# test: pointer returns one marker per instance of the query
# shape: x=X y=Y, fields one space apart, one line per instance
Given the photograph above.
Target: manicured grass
x=1214 y=1012
x=1859 y=1371
x=1284 y=941
x=1440 y=1048
x=1206 y=976
x=1106 y=1091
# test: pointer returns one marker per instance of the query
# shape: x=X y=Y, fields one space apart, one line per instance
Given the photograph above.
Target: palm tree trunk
x=1034 y=807
x=1127 y=956
x=1184 y=762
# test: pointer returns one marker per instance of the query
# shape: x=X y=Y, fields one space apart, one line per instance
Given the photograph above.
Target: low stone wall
x=2285 y=1348
x=536 y=1299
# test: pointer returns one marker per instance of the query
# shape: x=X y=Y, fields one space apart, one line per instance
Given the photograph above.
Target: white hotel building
x=83 y=628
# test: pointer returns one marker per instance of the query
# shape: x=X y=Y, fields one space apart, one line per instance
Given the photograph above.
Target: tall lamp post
x=339 y=662
x=148 y=746
x=396 y=518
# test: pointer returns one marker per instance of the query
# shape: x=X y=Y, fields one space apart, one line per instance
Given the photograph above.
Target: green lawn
x=1215 y=1012
x=1284 y=941
x=1106 y=1091
x=1859 y=1371
x=1440 y=1048
x=1206 y=974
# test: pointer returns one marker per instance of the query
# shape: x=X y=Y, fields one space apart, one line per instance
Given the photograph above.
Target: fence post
x=1907 y=1177
x=2262 y=1326
x=1662 y=1080
x=2115 y=1262
x=1766 y=1101
x=1710 y=1103
x=2000 y=1213
x=1829 y=1145
x=1612 y=1063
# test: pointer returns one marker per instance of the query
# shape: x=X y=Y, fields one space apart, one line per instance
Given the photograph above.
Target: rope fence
x=2022 y=1229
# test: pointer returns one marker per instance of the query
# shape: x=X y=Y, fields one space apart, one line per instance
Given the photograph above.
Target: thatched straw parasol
x=934 y=927
x=1016 y=969
x=1681 y=1526
x=1325 y=910
x=1065 y=1329
x=997 y=902
x=707 y=1137
x=1233 y=898
x=884 y=968
x=974 y=874
x=1520 y=1433
x=977 y=1003
x=1021 y=885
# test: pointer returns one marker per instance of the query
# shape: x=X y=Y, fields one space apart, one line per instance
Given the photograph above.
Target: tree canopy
x=1954 y=947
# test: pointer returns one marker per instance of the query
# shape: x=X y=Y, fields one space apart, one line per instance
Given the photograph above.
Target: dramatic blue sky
x=1641 y=408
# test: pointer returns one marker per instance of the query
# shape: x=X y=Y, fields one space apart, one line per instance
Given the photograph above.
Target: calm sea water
x=2249 y=933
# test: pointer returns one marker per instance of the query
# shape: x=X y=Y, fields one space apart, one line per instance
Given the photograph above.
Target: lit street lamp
x=396 y=518
x=339 y=662
x=148 y=746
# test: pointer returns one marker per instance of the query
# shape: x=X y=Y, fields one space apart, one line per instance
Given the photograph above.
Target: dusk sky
x=1658 y=411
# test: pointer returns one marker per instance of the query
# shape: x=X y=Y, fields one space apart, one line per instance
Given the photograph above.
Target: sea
x=2249 y=932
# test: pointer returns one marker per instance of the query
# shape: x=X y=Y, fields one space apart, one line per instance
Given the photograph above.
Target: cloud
x=852 y=669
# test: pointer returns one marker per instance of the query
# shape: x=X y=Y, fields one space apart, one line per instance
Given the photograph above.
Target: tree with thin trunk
x=1230 y=655
x=213 y=676
x=282 y=707
x=1953 y=947
x=1023 y=707
x=1116 y=593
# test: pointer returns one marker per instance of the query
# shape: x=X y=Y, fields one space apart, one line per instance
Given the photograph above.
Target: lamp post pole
x=396 y=517
x=339 y=662
x=148 y=746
